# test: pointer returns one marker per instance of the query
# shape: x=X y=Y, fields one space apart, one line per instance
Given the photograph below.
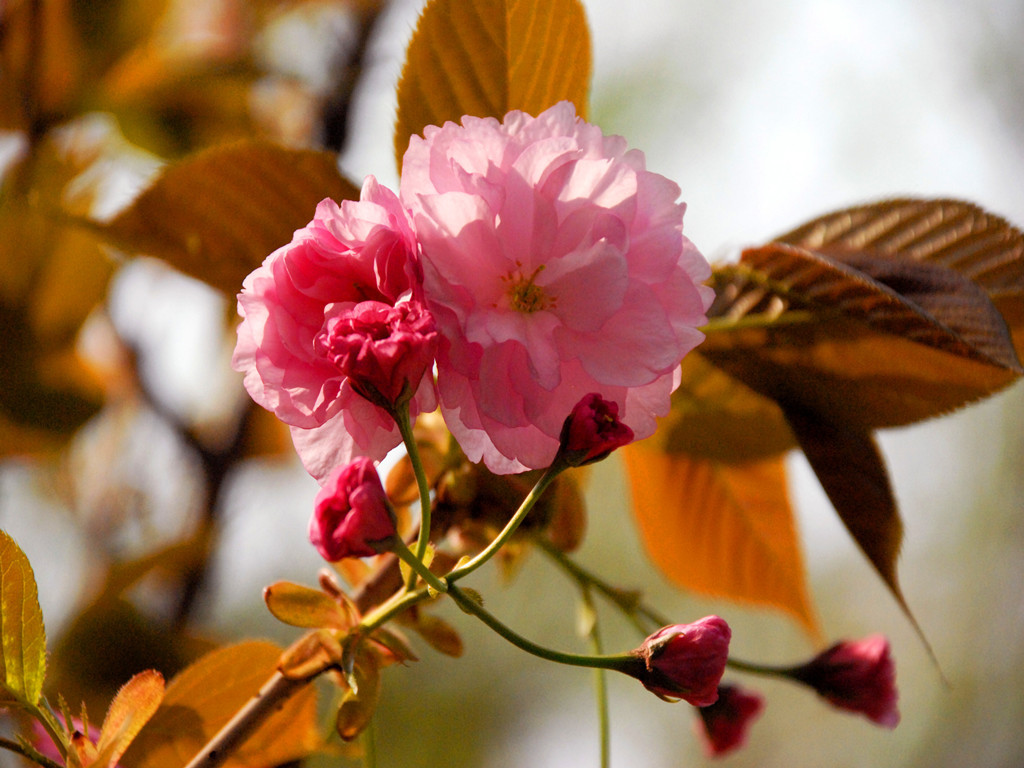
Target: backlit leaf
x=725 y=530
x=853 y=475
x=949 y=233
x=218 y=214
x=131 y=708
x=823 y=335
x=51 y=279
x=715 y=416
x=305 y=607
x=22 y=634
x=200 y=700
x=486 y=57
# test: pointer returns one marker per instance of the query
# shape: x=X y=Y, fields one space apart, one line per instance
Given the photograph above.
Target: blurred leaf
x=200 y=700
x=22 y=634
x=439 y=634
x=41 y=61
x=218 y=214
x=131 y=708
x=487 y=57
x=107 y=643
x=719 y=529
x=305 y=607
x=51 y=278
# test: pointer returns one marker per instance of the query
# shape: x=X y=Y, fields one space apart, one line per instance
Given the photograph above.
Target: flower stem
x=401 y=416
x=418 y=567
x=600 y=682
x=625 y=601
x=619 y=662
x=510 y=528
x=370 y=746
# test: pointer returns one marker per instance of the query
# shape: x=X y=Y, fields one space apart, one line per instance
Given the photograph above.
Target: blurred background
x=766 y=114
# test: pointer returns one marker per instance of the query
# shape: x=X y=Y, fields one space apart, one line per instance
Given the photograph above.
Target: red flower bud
x=857 y=676
x=686 y=661
x=351 y=516
x=384 y=350
x=723 y=725
x=592 y=431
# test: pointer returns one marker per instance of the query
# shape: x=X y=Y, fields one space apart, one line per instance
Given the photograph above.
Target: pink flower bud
x=857 y=676
x=723 y=725
x=384 y=350
x=351 y=516
x=686 y=661
x=592 y=431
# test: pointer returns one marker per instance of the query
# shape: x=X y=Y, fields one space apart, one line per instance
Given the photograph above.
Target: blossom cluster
x=529 y=263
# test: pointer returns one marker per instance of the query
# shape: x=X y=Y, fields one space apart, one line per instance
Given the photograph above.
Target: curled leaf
x=360 y=700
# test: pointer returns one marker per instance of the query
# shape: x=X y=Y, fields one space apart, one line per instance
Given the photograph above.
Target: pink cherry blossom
x=555 y=266
x=350 y=253
x=686 y=661
x=351 y=516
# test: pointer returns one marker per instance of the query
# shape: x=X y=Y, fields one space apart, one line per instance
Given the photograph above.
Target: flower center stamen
x=524 y=295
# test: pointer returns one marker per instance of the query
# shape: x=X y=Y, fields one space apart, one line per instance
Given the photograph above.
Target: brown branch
x=270 y=698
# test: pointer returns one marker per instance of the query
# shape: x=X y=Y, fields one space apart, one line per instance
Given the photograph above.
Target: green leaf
x=486 y=57
x=23 y=637
x=219 y=213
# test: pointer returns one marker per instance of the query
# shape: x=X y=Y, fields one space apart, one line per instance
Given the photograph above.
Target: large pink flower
x=348 y=255
x=555 y=266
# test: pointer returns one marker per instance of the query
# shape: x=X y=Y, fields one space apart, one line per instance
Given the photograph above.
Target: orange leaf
x=131 y=708
x=715 y=416
x=218 y=214
x=200 y=700
x=486 y=57
x=721 y=529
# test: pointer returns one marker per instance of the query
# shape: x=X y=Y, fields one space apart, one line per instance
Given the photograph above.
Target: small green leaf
x=486 y=57
x=22 y=634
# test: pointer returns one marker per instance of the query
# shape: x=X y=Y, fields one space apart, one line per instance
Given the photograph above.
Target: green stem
x=29 y=754
x=370 y=746
x=401 y=416
x=619 y=663
x=510 y=528
x=600 y=682
x=418 y=567
x=625 y=601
